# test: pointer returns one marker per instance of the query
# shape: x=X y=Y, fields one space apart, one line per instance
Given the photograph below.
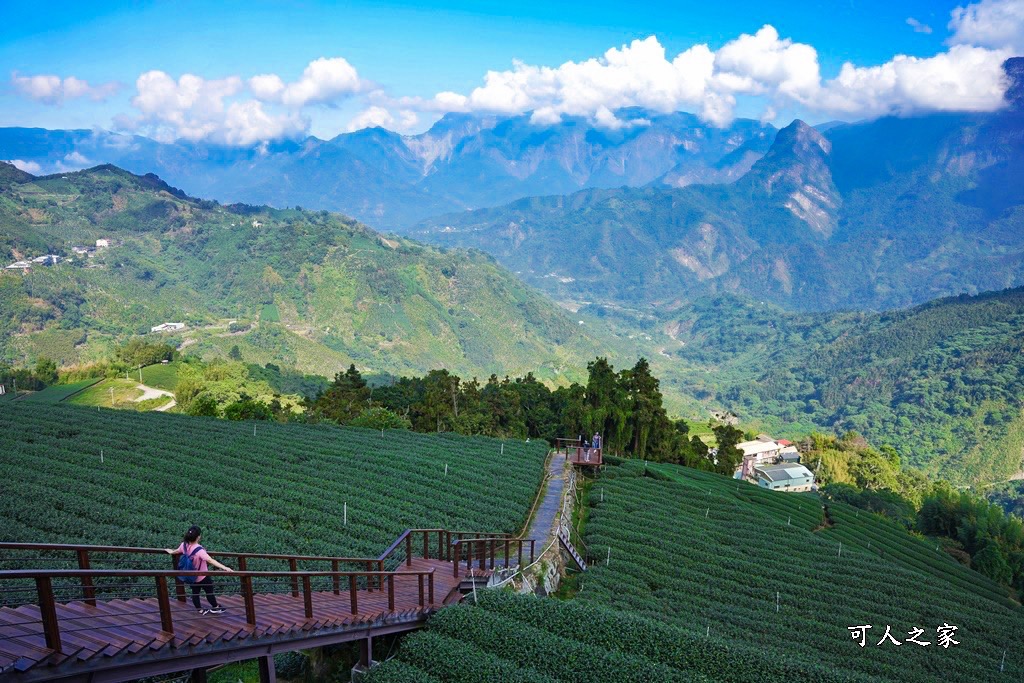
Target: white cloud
x=196 y=109
x=779 y=71
x=27 y=166
x=322 y=82
x=380 y=117
x=51 y=89
x=964 y=79
x=997 y=24
x=918 y=26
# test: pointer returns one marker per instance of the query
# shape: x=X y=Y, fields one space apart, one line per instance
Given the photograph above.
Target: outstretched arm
x=218 y=565
x=172 y=551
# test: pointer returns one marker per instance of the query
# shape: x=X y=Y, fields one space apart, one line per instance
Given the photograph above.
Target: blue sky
x=416 y=50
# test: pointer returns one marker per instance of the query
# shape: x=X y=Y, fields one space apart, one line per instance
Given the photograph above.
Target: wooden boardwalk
x=96 y=638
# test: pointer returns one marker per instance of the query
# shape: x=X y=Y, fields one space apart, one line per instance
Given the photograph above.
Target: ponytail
x=192 y=534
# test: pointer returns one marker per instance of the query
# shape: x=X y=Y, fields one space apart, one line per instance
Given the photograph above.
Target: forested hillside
x=313 y=290
x=943 y=383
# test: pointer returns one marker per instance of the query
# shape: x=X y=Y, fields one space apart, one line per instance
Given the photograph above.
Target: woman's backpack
x=187 y=564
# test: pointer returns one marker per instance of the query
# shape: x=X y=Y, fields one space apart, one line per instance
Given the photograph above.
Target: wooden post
x=198 y=675
x=430 y=587
x=293 y=565
x=455 y=564
x=268 y=674
x=250 y=603
x=419 y=581
x=494 y=549
x=164 y=600
x=48 y=612
x=88 y=591
x=352 y=593
x=307 y=597
x=336 y=580
x=506 y=552
x=179 y=587
x=426 y=545
x=533 y=544
x=440 y=544
x=408 y=550
x=366 y=652
x=391 y=592
x=482 y=544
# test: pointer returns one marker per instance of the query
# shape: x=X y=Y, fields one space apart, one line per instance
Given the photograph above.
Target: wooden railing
x=47 y=603
x=562 y=445
x=84 y=554
x=484 y=550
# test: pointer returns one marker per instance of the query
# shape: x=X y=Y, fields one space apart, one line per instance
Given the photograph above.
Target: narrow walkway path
x=550 y=506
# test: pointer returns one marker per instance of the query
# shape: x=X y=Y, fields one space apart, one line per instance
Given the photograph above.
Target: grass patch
x=60 y=392
x=161 y=376
x=110 y=393
x=270 y=314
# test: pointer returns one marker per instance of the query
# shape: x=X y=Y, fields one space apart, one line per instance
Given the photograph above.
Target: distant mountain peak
x=796 y=168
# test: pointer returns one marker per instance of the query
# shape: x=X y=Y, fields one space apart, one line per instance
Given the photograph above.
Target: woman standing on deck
x=201 y=561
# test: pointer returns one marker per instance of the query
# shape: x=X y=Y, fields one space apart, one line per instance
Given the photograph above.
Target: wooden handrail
x=15 y=574
x=160 y=551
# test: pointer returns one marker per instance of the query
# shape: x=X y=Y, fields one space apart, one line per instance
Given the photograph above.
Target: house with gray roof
x=785 y=477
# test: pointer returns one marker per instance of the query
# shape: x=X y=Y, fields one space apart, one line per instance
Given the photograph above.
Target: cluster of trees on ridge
x=624 y=406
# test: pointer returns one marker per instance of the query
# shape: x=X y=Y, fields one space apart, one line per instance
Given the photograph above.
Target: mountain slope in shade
x=391 y=181
x=882 y=214
x=323 y=289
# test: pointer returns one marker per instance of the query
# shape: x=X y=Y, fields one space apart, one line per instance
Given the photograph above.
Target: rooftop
x=784 y=472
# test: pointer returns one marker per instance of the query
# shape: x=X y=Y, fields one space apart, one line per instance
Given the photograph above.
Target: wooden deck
x=585 y=457
x=98 y=638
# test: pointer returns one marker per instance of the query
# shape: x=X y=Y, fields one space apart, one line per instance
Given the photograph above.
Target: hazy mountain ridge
x=876 y=215
x=390 y=181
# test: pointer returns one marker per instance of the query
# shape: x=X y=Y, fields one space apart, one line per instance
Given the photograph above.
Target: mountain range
x=390 y=180
x=874 y=215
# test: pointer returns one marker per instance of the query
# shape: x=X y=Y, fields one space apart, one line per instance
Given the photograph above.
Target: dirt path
x=152 y=392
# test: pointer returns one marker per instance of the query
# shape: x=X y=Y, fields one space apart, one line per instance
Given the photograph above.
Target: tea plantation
x=104 y=477
x=710 y=579
x=763 y=569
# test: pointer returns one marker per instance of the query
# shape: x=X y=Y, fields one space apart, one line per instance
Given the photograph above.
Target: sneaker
x=215 y=610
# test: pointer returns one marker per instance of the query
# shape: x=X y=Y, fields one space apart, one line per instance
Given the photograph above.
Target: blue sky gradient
x=408 y=49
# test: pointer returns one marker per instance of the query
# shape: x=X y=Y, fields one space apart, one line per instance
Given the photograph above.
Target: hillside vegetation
x=119 y=478
x=330 y=291
x=942 y=383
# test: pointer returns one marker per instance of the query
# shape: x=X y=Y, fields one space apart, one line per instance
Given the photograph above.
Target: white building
x=48 y=260
x=19 y=265
x=167 y=327
x=761 y=451
x=785 y=477
x=102 y=244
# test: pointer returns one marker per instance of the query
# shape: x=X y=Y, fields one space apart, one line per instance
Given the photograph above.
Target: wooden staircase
x=563 y=539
